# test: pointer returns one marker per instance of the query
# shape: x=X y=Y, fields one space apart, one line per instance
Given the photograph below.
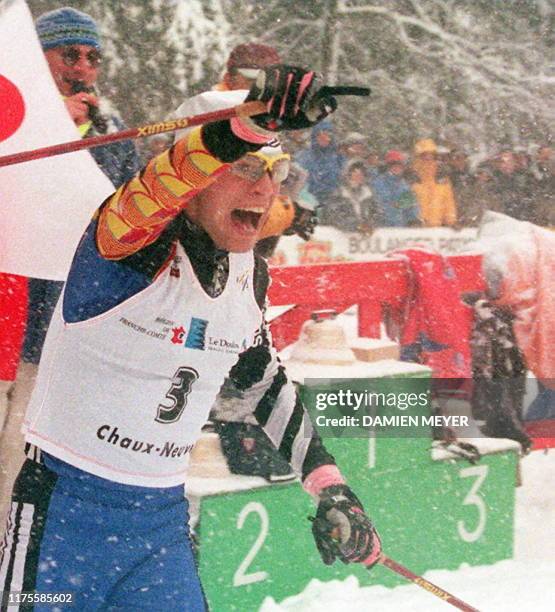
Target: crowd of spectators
x=433 y=185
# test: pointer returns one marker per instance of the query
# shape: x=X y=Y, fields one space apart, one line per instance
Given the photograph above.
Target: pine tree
x=476 y=72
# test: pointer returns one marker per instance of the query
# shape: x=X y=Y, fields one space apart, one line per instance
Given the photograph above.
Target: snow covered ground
x=526 y=583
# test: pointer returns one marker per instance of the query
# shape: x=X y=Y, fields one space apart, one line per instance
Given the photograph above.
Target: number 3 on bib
x=182 y=382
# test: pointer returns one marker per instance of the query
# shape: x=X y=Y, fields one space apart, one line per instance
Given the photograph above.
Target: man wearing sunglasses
x=164 y=299
x=72 y=48
x=242 y=66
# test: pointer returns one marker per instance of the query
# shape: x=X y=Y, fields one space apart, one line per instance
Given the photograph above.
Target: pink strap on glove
x=247 y=130
x=376 y=553
x=322 y=477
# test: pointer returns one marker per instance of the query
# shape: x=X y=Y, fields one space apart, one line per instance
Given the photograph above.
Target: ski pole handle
x=426 y=584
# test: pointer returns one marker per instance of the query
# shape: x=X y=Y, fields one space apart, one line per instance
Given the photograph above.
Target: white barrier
x=329 y=244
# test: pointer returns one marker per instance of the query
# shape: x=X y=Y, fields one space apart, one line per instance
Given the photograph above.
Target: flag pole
x=247 y=109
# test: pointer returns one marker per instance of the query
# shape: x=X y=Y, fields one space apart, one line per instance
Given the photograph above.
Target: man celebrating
x=242 y=67
x=246 y=448
x=163 y=278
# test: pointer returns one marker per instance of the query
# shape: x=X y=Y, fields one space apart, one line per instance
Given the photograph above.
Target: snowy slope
x=524 y=584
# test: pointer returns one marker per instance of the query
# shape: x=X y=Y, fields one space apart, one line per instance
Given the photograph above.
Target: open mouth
x=247 y=219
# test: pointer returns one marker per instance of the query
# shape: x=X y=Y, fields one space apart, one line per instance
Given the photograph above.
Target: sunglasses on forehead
x=248 y=73
x=71 y=55
x=253 y=166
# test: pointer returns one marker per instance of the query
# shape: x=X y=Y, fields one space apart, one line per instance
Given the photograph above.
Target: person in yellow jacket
x=434 y=194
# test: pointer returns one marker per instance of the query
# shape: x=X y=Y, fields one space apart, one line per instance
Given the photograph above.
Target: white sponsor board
x=332 y=245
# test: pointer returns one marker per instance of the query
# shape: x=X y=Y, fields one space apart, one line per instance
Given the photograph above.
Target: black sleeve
x=272 y=397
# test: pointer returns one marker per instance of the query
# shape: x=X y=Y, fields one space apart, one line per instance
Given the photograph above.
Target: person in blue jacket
x=395 y=202
x=324 y=164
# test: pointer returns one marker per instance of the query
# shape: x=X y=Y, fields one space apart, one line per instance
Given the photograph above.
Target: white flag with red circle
x=44 y=204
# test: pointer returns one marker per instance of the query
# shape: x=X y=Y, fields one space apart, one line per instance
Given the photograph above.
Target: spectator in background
x=544 y=186
x=469 y=211
x=395 y=202
x=354 y=208
x=373 y=165
x=324 y=164
x=509 y=186
x=242 y=67
x=71 y=43
x=354 y=146
x=481 y=195
x=434 y=194
x=293 y=212
x=243 y=64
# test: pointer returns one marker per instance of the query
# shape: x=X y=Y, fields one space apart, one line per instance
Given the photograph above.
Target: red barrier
x=371 y=285
x=542 y=432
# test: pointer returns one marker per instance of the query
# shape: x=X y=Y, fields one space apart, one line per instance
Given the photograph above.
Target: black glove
x=342 y=529
x=294 y=97
x=304 y=222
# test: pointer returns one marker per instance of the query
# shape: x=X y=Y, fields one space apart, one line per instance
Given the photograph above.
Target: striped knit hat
x=67 y=26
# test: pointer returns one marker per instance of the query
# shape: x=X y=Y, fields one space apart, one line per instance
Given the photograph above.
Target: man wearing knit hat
x=71 y=44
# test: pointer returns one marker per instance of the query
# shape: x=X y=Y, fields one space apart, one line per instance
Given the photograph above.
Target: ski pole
x=246 y=109
x=425 y=584
x=418 y=580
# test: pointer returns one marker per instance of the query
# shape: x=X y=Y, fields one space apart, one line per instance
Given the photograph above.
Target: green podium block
x=399 y=449
x=433 y=510
x=446 y=513
x=257 y=543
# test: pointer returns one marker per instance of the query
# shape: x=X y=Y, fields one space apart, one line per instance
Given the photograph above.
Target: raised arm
x=136 y=214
